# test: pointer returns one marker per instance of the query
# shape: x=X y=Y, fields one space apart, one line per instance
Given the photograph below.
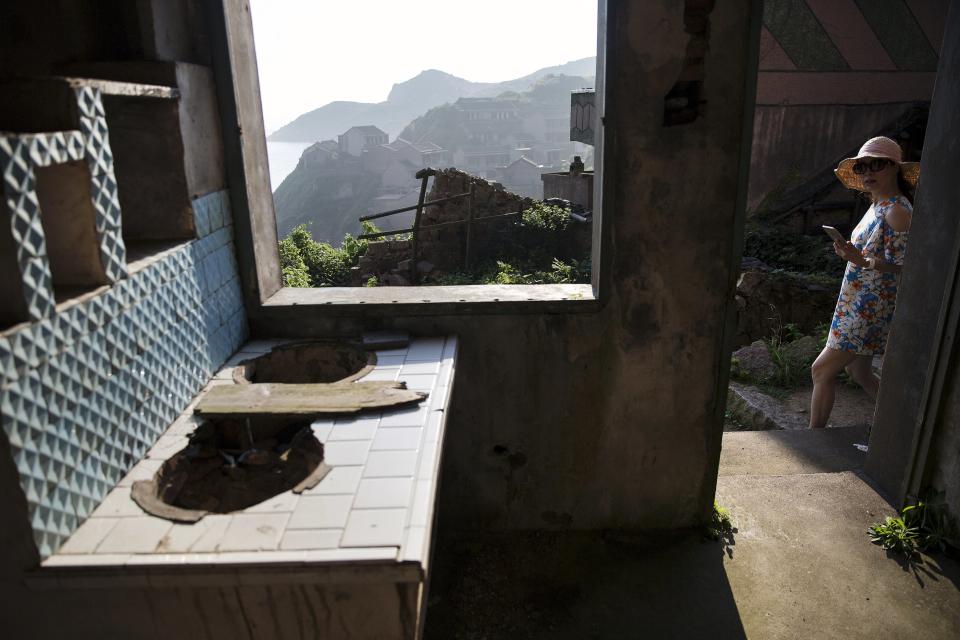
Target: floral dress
x=864 y=310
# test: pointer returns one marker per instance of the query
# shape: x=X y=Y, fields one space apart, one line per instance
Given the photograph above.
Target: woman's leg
x=861 y=370
x=824 y=372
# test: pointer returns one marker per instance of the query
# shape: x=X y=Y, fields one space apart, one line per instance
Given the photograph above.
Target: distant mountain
x=410 y=99
x=443 y=125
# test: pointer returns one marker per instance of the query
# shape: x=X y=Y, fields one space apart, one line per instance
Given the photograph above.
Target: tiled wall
x=87 y=392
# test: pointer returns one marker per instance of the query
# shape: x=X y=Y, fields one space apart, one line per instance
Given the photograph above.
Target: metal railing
x=424 y=175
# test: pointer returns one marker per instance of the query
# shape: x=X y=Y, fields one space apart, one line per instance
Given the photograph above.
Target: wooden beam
x=303 y=399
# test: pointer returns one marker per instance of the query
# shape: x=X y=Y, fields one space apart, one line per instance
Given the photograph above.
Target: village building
x=421 y=154
x=522 y=176
x=356 y=140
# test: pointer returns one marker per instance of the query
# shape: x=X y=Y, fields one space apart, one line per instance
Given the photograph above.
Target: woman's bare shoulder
x=898 y=217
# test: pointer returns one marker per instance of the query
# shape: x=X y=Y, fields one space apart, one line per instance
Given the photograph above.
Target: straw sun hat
x=878 y=147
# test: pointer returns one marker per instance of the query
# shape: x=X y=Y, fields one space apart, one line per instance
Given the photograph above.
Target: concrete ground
x=799 y=564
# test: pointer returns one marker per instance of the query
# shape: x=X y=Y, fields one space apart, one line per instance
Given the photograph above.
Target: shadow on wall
x=580 y=585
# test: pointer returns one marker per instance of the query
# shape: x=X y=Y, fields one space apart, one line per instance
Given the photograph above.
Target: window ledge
x=441 y=300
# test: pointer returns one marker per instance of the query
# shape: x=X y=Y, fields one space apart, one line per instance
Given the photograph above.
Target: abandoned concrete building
x=460 y=461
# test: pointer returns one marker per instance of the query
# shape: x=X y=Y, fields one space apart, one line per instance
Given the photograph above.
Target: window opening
x=366 y=193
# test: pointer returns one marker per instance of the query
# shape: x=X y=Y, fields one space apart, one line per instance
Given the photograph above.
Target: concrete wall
x=914 y=443
x=610 y=418
x=791 y=144
x=833 y=74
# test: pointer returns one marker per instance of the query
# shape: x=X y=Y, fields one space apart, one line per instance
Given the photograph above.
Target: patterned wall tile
x=88 y=391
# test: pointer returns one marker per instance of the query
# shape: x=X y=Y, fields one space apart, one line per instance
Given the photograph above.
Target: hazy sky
x=311 y=52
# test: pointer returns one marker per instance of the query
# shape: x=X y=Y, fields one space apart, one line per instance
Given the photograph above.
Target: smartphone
x=836 y=235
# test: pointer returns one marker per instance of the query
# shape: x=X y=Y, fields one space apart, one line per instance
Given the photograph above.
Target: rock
x=424 y=267
x=404 y=265
x=753 y=362
x=754 y=264
x=749 y=409
x=769 y=301
x=801 y=353
x=394 y=280
x=746 y=410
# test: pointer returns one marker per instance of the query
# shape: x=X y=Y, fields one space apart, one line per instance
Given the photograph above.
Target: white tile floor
x=376 y=503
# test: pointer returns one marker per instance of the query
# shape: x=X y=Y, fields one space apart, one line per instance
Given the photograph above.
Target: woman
x=874 y=258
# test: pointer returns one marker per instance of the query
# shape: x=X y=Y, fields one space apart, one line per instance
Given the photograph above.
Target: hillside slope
x=328 y=194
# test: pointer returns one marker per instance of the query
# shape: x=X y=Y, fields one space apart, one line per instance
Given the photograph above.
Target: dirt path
x=853 y=408
x=749 y=408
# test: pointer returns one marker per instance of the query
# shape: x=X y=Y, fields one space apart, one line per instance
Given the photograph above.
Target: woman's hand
x=850 y=253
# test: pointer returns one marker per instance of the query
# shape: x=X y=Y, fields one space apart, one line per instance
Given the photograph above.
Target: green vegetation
x=308 y=263
x=924 y=526
x=534 y=250
x=501 y=272
x=721 y=524
x=794 y=252
x=791 y=354
x=523 y=252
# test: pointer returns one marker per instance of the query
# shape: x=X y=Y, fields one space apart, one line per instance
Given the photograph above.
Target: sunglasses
x=860 y=167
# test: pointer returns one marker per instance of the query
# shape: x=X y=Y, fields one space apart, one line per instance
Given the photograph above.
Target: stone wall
x=769 y=301
x=444 y=247
x=442 y=250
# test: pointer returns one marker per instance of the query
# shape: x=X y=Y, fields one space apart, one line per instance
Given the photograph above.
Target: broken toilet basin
x=312 y=362
x=226 y=468
x=255 y=441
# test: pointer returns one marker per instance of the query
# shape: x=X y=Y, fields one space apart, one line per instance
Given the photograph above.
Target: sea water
x=283 y=158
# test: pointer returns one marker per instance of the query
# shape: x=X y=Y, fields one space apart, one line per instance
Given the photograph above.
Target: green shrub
x=324 y=264
x=560 y=273
x=924 y=526
x=545 y=217
x=294 y=269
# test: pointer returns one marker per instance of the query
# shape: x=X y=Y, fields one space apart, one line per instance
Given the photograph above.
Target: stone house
x=356 y=140
x=490 y=121
x=482 y=161
x=522 y=176
x=400 y=175
x=566 y=410
x=421 y=154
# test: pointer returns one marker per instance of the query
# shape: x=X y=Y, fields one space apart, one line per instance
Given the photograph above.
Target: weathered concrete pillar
x=679 y=102
x=915 y=441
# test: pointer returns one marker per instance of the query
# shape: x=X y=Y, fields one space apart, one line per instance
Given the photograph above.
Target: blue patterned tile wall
x=86 y=392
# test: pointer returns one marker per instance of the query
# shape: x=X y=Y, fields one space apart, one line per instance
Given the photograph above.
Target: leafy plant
x=721 y=524
x=545 y=217
x=560 y=273
x=788 y=374
x=294 y=269
x=306 y=262
x=924 y=526
x=894 y=534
